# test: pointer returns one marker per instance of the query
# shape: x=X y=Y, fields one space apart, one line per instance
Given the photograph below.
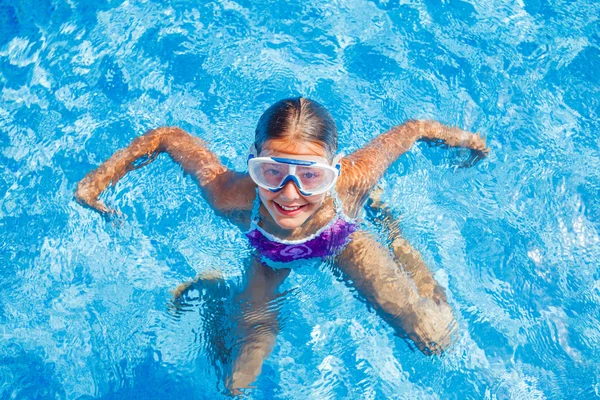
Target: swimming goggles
x=310 y=177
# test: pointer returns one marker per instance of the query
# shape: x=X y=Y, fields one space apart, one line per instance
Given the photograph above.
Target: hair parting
x=298 y=119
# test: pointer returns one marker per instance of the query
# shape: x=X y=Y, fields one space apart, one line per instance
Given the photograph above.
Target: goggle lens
x=269 y=174
x=314 y=178
x=273 y=174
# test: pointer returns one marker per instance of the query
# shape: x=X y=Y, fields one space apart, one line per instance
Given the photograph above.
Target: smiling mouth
x=289 y=210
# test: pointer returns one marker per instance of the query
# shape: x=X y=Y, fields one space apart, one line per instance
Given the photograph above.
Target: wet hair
x=298 y=119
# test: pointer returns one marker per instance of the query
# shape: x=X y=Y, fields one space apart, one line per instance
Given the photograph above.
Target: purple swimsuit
x=278 y=253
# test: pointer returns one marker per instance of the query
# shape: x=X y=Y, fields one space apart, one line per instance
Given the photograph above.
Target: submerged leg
x=405 y=255
x=253 y=321
x=213 y=294
x=408 y=257
x=256 y=325
x=371 y=269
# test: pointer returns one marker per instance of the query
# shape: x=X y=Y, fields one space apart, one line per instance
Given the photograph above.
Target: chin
x=290 y=223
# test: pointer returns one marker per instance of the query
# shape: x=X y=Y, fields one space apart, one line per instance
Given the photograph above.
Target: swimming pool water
x=84 y=301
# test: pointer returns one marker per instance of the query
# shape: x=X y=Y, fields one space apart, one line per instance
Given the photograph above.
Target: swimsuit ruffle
x=326 y=242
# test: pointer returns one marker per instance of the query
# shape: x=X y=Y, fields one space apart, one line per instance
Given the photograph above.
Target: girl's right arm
x=226 y=190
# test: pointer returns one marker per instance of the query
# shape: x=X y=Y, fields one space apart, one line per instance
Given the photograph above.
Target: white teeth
x=286 y=208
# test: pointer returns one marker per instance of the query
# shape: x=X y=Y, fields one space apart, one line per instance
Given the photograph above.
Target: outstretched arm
x=362 y=169
x=188 y=151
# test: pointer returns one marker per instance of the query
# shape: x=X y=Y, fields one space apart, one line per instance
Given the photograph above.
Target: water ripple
x=85 y=310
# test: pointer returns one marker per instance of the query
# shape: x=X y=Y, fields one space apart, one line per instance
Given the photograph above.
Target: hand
x=473 y=141
x=85 y=198
x=456 y=137
x=436 y=134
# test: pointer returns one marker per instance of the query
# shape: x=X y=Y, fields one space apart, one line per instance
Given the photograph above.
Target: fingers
x=477 y=142
x=464 y=139
x=179 y=291
x=375 y=197
x=472 y=141
x=212 y=280
x=97 y=205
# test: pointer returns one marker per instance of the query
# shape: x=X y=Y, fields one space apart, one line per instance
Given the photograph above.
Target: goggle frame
x=293 y=162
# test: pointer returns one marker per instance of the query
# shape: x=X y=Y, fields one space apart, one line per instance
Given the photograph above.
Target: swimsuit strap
x=337 y=202
x=255 y=215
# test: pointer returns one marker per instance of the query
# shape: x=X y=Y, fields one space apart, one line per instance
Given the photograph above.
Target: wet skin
x=288 y=207
x=394 y=281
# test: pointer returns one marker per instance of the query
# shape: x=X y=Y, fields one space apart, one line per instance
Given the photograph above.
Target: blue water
x=84 y=301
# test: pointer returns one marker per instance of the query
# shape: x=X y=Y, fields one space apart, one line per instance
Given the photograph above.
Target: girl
x=299 y=203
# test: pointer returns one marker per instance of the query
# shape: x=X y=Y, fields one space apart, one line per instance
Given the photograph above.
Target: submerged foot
x=209 y=285
x=375 y=198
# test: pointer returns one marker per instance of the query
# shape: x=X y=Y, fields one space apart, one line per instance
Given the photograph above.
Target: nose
x=290 y=191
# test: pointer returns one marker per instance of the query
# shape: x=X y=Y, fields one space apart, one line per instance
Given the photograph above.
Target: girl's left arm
x=362 y=169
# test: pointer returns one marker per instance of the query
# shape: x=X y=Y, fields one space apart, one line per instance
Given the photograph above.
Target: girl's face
x=288 y=207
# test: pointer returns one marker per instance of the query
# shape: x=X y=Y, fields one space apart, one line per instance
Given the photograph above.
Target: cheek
x=316 y=200
x=266 y=195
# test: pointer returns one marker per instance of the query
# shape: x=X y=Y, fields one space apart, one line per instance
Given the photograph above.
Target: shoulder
x=352 y=201
x=232 y=191
x=350 y=185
